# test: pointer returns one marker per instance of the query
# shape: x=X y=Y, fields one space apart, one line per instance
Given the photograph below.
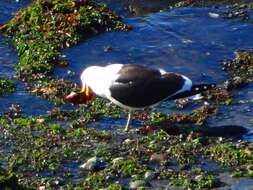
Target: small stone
x=250 y=167
x=70 y=73
x=248 y=151
x=93 y=164
x=213 y=15
x=157 y=157
x=42 y=187
x=128 y=141
x=198 y=177
x=40 y=120
x=136 y=184
x=108 y=48
x=149 y=175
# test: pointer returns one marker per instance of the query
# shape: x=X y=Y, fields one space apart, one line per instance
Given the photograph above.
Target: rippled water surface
x=184 y=40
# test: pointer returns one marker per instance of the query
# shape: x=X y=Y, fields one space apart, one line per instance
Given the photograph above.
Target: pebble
x=128 y=141
x=157 y=157
x=136 y=184
x=93 y=164
x=149 y=175
x=42 y=187
x=198 y=177
x=250 y=167
x=213 y=15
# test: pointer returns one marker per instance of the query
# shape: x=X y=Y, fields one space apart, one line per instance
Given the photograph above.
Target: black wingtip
x=196 y=89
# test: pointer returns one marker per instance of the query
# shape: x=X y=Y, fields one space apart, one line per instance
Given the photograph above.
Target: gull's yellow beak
x=87 y=92
x=82 y=97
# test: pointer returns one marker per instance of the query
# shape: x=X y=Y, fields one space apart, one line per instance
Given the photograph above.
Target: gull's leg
x=130 y=115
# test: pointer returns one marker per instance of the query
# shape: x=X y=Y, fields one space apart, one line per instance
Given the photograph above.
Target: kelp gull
x=135 y=87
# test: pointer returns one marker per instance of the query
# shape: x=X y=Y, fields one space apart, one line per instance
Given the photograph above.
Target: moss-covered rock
x=41 y=30
x=240 y=69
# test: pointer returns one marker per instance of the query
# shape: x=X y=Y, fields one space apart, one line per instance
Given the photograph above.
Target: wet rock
x=108 y=48
x=250 y=167
x=157 y=157
x=213 y=15
x=42 y=187
x=149 y=175
x=237 y=13
x=93 y=164
x=137 y=184
x=128 y=141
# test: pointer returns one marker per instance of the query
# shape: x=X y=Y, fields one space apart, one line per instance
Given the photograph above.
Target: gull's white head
x=99 y=78
x=92 y=78
x=90 y=75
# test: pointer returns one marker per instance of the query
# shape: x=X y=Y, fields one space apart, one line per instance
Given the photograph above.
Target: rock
x=198 y=177
x=213 y=15
x=93 y=164
x=128 y=141
x=157 y=157
x=250 y=167
x=108 y=48
x=42 y=187
x=149 y=175
x=136 y=184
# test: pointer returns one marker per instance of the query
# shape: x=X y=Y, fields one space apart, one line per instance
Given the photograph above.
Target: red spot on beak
x=82 y=97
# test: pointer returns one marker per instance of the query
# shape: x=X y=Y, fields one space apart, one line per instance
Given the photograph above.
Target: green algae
x=127 y=168
x=183 y=123
x=228 y=155
x=6 y=86
x=23 y=122
x=41 y=30
x=8 y=181
x=41 y=145
x=202 y=180
x=239 y=69
x=186 y=152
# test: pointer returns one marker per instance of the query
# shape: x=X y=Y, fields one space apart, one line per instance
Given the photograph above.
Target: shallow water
x=184 y=40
